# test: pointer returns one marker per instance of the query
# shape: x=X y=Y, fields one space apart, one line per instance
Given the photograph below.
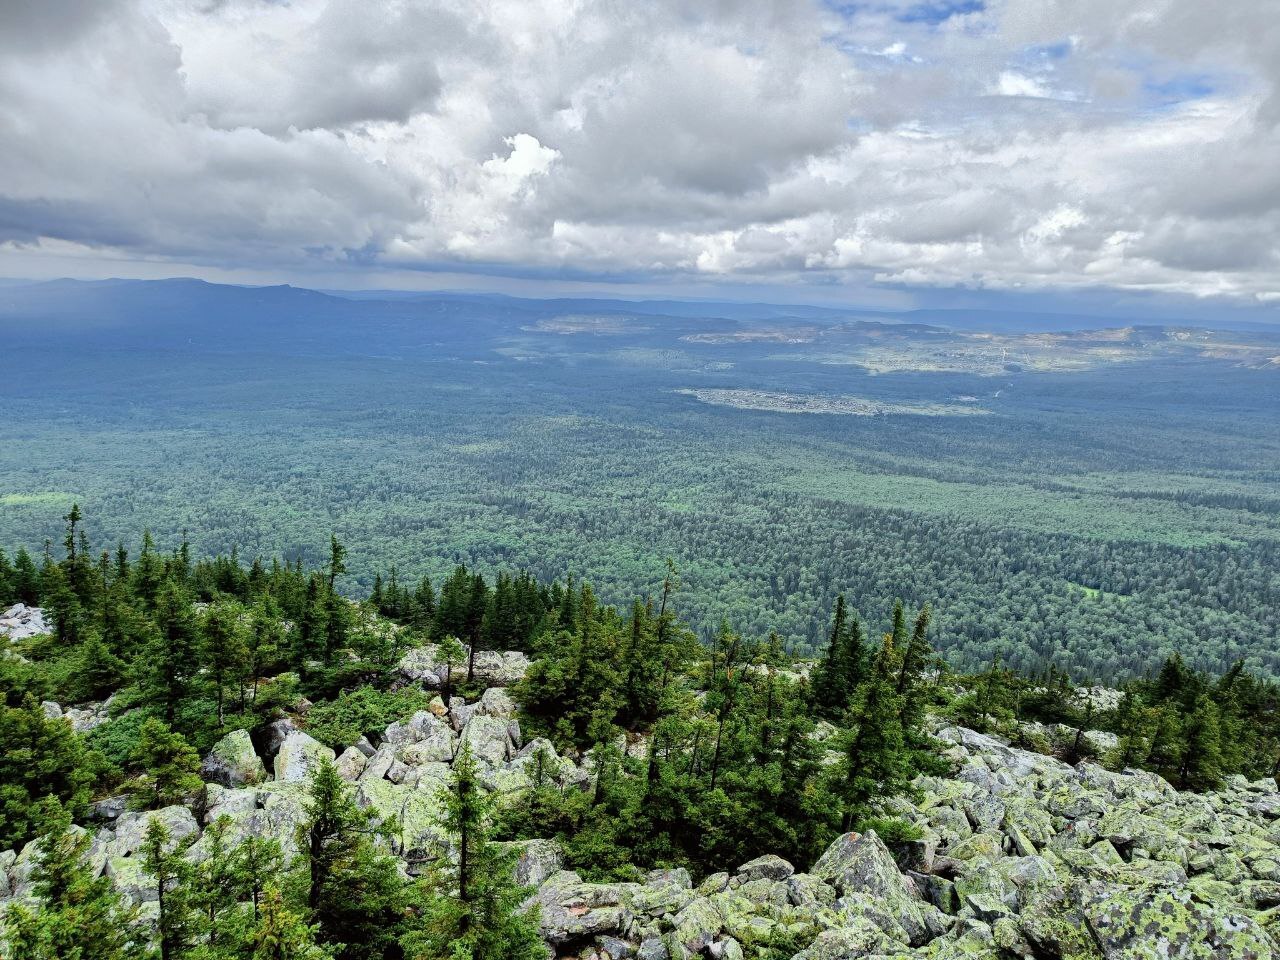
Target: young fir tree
x=99 y=671
x=450 y=652
x=177 y=921
x=170 y=767
x=214 y=889
x=1132 y=727
x=1200 y=765
x=224 y=647
x=281 y=934
x=350 y=890
x=255 y=865
x=76 y=915
x=876 y=764
x=840 y=672
x=40 y=757
x=168 y=663
x=472 y=908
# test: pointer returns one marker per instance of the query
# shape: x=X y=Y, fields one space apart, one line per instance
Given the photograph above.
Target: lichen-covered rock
x=233 y=762
x=1171 y=925
x=857 y=940
x=299 y=756
x=487 y=738
x=768 y=867
x=351 y=763
x=862 y=864
x=131 y=827
x=493 y=667
x=569 y=909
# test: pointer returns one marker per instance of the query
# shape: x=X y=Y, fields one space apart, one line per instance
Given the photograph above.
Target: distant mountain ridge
x=190 y=298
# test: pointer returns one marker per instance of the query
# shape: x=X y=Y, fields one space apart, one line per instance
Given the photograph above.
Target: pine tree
x=77 y=916
x=169 y=663
x=224 y=647
x=177 y=924
x=281 y=934
x=350 y=890
x=100 y=671
x=472 y=908
x=170 y=766
x=876 y=764
x=26 y=578
x=450 y=652
x=838 y=675
x=1200 y=763
x=255 y=865
x=40 y=757
x=214 y=889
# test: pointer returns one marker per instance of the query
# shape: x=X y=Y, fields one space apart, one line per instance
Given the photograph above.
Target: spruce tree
x=876 y=764
x=177 y=923
x=76 y=916
x=350 y=890
x=472 y=907
x=170 y=766
x=1200 y=765
x=224 y=647
x=281 y=934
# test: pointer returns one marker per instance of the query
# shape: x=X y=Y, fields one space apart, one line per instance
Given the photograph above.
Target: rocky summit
x=1018 y=855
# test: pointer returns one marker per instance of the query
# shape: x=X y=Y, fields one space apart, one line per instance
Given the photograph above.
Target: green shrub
x=362 y=712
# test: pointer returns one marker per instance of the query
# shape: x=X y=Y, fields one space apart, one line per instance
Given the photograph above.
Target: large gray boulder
x=488 y=739
x=233 y=762
x=861 y=864
x=19 y=622
x=299 y=756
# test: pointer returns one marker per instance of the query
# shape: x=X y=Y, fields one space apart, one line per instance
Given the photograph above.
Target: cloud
x=1020 y=144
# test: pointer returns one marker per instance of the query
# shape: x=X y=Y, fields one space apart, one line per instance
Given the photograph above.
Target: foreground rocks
x=1019 y=856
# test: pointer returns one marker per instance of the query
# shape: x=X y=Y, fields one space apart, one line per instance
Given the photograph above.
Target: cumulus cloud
x=1009 y=144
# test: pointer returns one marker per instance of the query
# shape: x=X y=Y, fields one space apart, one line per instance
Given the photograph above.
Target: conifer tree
x=1200 y=762
x=170 y=766
x=876 y=764
x=255 y=866
x=99 y=671
x=40 y=757
x=76 y=915
x=281 y=934
x=351 y=891
x=472 y=908
x=177 y=923
x=224 y=647
x=169 y=663
x=450 y=652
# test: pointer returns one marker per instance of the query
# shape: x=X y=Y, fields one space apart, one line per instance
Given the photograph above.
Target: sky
x=892 y=154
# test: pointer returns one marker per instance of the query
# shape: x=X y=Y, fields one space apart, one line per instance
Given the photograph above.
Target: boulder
x=487 y=737
x=299 y=756
x=351 y=763
x=131 y=828
x=860 y=938
x=570 y=910
x=492 y=667
x=232 y=762
x=1157 y=924
x=862 y=864
x=768 y=867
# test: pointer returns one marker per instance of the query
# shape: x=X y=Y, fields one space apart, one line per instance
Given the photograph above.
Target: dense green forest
x=1100 y=518
x=189 y=649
